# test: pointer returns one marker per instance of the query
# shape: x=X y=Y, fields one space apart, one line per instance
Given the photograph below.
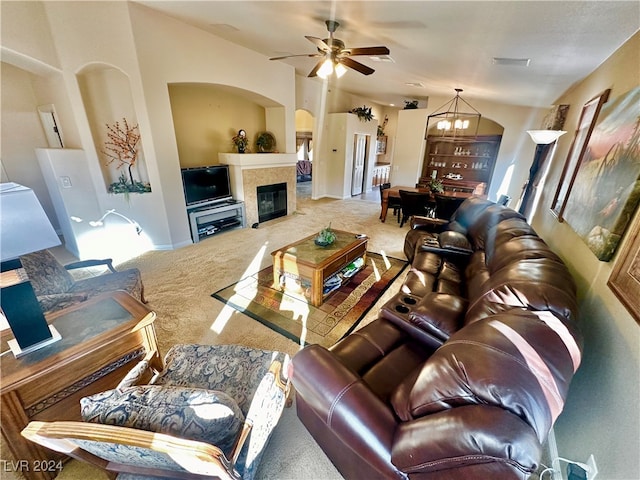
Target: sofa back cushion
x=521 y=361
x=467 y=213
x=489 y=218
x=533 y=284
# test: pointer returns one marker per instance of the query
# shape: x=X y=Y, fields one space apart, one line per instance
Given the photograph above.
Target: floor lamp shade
x=24 y=228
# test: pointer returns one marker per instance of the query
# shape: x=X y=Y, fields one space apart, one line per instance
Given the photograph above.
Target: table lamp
x=24 y=228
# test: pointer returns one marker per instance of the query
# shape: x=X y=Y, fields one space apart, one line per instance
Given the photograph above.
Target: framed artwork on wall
x=606 y=190
x=625 y=277
x=588 y=116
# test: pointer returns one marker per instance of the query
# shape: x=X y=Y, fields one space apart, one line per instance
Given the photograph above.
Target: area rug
x=292 y=316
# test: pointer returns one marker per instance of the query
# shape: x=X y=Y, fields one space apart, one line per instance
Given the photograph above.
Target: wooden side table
x=102 y=339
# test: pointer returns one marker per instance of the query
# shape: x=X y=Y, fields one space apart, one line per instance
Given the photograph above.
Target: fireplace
x=272 y=201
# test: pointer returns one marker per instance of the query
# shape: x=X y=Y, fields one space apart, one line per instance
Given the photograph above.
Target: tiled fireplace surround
x=248 y=171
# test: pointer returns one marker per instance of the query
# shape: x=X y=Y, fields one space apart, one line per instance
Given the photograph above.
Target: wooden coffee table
x=304 y=267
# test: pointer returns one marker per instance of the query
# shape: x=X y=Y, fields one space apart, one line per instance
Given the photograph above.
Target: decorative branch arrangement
x=382 y=127
x=121 y=147
x=363 y=113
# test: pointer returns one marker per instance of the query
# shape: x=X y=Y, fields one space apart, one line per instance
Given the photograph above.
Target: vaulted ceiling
x=435 y=46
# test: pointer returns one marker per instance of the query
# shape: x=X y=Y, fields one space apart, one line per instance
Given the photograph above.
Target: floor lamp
x=546 y=142
x=24 y=228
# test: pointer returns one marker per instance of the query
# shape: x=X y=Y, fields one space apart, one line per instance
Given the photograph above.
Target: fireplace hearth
x=272 y=201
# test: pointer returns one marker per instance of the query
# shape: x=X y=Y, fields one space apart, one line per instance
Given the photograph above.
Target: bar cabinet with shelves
x=468 y=159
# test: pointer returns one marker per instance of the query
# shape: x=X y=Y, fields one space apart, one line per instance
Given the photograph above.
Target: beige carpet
x=178 y=285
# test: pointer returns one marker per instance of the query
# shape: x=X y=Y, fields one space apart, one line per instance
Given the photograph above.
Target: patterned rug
x=292 y=316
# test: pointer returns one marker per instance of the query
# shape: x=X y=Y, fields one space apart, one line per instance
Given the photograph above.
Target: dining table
x=394 y=192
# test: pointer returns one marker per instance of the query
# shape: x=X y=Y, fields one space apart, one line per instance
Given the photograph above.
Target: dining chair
x=414 y=203
x=446 y=205
x=392 y=202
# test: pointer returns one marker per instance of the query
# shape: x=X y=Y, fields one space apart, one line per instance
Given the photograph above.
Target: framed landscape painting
x=606 y=190
x=588 y=116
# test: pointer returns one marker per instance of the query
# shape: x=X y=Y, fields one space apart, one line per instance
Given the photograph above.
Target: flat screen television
x=206 y=184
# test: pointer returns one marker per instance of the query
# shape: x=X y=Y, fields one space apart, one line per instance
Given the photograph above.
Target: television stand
x=215 y=218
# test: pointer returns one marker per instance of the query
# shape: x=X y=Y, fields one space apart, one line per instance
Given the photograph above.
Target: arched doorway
x=304 y=150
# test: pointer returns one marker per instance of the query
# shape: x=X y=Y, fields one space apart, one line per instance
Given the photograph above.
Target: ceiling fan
x=335 y=56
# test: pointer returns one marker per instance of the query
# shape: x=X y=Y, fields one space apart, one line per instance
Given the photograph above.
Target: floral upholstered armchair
x=56 y=288
x=208 y=414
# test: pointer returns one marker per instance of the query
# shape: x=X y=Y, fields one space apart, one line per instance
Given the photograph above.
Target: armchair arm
x=91 y=263
x=264 y=412
x=151 y=361
x=198 y=459
x=346 y=404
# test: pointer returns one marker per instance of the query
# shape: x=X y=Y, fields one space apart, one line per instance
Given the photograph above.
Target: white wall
x=152 y=50
x=409 y=147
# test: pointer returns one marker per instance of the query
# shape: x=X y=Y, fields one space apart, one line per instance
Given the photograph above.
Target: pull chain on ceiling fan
x=335 y=56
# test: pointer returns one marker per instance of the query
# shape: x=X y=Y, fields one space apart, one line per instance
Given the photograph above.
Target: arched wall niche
x=207 y=115
x=107 y=99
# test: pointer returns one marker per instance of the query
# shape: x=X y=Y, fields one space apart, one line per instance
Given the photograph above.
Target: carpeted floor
x=291 y=314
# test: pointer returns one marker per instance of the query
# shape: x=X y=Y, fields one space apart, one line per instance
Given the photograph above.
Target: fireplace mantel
x=258 y=160
x=248 y=171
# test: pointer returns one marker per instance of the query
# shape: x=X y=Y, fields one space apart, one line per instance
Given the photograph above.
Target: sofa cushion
x=455 y=241
x=516 y=249
x=467 y=213
x=418 y=283
x=208 y=416
x=533 y=284
x=515 y=361
x=439 y=314
x=427 y=262
x=506 y=230
x=490 y=217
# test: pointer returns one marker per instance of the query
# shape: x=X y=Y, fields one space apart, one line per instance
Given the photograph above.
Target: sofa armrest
x=471 y=438
x=345 y=404
x=419 y=222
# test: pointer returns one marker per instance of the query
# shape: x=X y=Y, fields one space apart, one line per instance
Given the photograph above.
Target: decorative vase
x=322 y=243
x=325 y=238
x=240 y=148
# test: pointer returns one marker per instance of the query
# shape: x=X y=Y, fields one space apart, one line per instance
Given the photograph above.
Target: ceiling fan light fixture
x=340 y=70
x=326 y=69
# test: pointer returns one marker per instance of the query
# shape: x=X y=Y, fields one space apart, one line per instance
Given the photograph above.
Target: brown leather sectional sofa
x=465 y=370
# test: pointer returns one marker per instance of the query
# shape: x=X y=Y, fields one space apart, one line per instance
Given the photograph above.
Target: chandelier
x=453 y=118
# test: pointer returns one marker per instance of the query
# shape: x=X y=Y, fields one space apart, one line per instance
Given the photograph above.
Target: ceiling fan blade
x=314 y=72
x=348 y=62
x=300 y=55
x=367 y=51
x=318 y=43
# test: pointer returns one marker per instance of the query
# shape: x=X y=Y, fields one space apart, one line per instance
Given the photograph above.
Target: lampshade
x=453 y=118
x=24 y=228
x=326 y=69
x=545 y=137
